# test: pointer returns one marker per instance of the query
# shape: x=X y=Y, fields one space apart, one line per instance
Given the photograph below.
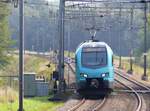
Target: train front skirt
x=95 y=85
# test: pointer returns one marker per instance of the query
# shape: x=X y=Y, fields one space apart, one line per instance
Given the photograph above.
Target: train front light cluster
x=83 y=75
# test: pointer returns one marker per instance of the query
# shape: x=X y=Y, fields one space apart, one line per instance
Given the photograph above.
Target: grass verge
x=32 y=104
x=136 y=68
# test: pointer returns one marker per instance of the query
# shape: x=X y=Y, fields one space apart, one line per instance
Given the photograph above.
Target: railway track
x=134 y=86
x=79 y=104
x=141 y=87
x=96 y=106
x=100 y=105
x=139 y=99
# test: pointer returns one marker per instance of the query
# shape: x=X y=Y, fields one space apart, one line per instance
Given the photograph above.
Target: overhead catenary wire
x=108 y=1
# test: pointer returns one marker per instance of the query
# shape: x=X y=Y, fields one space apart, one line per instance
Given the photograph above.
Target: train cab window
x=94 y=57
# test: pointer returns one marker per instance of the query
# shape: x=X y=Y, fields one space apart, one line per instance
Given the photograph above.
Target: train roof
x=92 y=43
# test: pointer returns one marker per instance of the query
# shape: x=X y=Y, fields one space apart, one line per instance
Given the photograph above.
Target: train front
x=94 y=66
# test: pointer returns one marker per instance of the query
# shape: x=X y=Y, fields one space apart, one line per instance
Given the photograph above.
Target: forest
x=41 y=29
x=5 y=40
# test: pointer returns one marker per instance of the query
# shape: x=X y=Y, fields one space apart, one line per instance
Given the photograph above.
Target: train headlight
x=83 y=75
x=105 y=74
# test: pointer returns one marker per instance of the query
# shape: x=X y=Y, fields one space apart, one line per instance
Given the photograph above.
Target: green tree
x=5 y=40
x=140 y=50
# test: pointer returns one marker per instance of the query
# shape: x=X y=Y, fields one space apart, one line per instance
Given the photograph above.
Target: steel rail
x=78 y=105
x=136 y=93
x=100 y=105
x=139 y=106
x=97 y=107
x=131 y=80
x=82 y=102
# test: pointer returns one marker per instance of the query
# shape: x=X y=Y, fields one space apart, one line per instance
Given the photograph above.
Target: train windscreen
x=94 y=57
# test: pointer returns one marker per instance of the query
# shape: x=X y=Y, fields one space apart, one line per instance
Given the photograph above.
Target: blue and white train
x=94 y=65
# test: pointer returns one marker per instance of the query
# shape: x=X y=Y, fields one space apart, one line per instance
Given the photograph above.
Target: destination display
x=93 y=49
